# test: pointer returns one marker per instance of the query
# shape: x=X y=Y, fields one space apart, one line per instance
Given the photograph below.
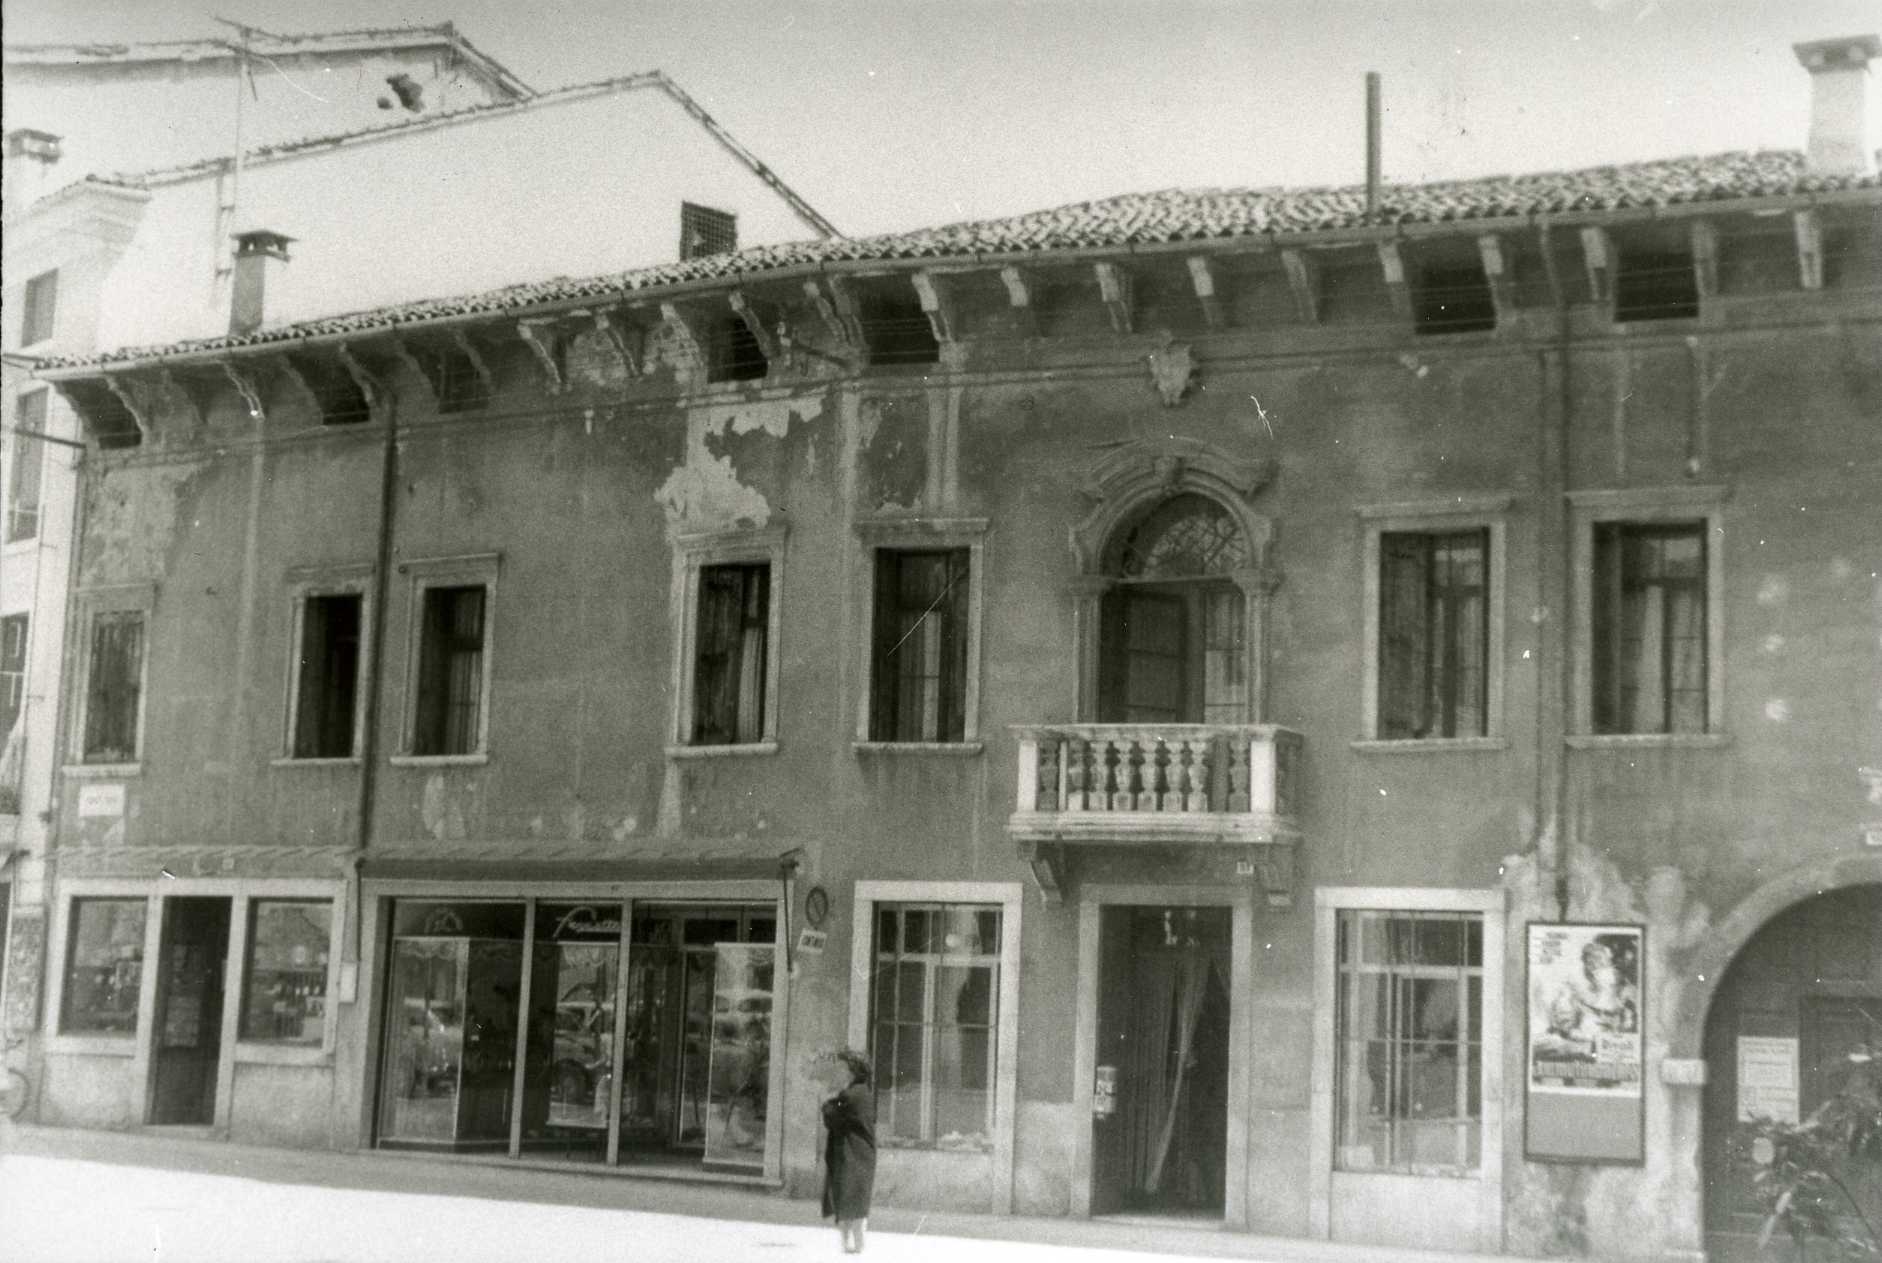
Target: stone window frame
x=1329 y=902
x=693 y=552
x=311 y=581
x=925 y=533
x=39 y=308
x=1011 y=898
x=1133 y=480
x=1455 y=513
x=88 y=603
x=421 y=575
x=1646 y=506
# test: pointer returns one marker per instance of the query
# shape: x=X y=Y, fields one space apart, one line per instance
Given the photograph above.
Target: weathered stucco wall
x=580 y=491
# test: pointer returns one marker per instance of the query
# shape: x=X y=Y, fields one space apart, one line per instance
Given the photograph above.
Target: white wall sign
x=1767 y=1078
x=100 y=800
x=810 y=942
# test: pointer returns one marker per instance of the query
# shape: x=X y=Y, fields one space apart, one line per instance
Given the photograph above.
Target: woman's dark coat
x=849 y=1152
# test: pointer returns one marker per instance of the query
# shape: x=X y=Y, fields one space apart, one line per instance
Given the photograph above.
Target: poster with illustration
x=1585 y=1010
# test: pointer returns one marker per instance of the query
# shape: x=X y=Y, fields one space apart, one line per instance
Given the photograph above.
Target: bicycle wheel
x=14 y=1089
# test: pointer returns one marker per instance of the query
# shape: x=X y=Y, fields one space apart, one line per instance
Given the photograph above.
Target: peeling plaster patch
x=443 y=816
x=1773 y=591
x=705 y=491
x=131 y=527
x=1777 y=710
x=1772 y=644
x=624 y=828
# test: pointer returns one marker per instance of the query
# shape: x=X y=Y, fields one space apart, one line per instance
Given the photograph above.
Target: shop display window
x=660 y=1056
x=104 y=967
x=284 y=987
x=932 y=1000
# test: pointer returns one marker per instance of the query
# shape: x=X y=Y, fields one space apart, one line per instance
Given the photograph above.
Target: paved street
x=75 y=1197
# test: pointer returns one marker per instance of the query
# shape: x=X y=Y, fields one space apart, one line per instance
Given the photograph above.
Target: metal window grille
x=705 y=231
x=1657 y=285
x=1434 y=634
x=450 y=672
x=1409 y=1049
x=114 y=687
x=1453 y=300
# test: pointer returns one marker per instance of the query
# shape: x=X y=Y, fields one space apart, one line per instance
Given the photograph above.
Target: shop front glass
x=647 y=1039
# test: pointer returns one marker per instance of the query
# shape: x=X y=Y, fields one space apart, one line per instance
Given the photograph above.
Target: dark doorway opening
x=1163 y=1023
x=188 y=1036
x=1803 y=994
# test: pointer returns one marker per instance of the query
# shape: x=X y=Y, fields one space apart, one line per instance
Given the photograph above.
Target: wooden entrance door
x=188 y=1034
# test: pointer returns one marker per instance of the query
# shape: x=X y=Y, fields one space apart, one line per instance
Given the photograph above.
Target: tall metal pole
x=1372 y=145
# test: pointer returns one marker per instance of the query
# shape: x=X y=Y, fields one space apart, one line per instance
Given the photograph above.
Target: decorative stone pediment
x=1135 y=474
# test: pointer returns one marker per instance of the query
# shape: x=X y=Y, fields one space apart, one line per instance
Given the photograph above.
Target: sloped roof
x=262 y=44
x=1132 y=219
x=656 y=80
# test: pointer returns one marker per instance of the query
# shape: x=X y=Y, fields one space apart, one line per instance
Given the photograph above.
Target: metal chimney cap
x=1830 y=54
x=262 y=241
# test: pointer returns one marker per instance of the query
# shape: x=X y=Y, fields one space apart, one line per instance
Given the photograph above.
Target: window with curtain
x=933 y=1013
x=1409 y=1073
x=919 y=678
x=450 y=672
x=1434 y=634
x=1649 y=614
x=731 y=640
x=114 y=686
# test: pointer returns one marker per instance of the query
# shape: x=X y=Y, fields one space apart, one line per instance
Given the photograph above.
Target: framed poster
x=1585 y=1069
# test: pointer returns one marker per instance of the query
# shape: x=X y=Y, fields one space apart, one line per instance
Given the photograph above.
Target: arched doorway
x=1801 y=992
x=1173 y=635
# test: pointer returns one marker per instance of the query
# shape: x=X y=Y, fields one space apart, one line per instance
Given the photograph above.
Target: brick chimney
x=253 y=249
x=1839 y=103
x=30 y=157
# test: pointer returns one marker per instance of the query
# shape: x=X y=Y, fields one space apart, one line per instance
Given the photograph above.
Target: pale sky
x=891 y=114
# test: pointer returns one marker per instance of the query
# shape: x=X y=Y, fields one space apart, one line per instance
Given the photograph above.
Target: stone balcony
x=1198 y=796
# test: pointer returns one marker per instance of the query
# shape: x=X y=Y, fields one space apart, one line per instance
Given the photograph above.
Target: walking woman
x=849 y=1147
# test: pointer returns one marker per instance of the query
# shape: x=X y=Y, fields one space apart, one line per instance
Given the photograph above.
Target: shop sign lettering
x=584 y=919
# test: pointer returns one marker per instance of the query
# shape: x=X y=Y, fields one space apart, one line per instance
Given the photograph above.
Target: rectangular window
x=328 y=676
x=933 y=1006
x=284 y=979
x=1649 y=664
x=449 y=714
x=40 y=308
x=104 y=967
x=26 y=467
x=114 y=687
x=1434 y=634
x=705 y=231
x=919 y=666
x=730 y=654
x=13 y=630
x=1409 y=1041
x=458 y=384
x=1453 y=299
x=733 y=354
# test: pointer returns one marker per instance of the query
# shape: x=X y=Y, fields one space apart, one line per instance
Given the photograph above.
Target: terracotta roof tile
x=1172 y=215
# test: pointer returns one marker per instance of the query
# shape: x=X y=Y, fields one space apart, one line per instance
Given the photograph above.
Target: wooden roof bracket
x=935 y=304
x=1807 y=229
x=245 y=385
x=1392 y=266
x=123 y=390
x=1202 y=278
x=1303 y=277
x=1114 y=287
x=540 y=337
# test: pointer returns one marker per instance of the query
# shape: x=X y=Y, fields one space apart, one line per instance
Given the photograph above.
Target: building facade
x=1359 y=723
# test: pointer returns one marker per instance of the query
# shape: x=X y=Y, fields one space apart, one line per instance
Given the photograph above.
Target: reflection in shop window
x=284 y=990
x=931 y=1000
x=1410 y=1041
x=104 y=967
